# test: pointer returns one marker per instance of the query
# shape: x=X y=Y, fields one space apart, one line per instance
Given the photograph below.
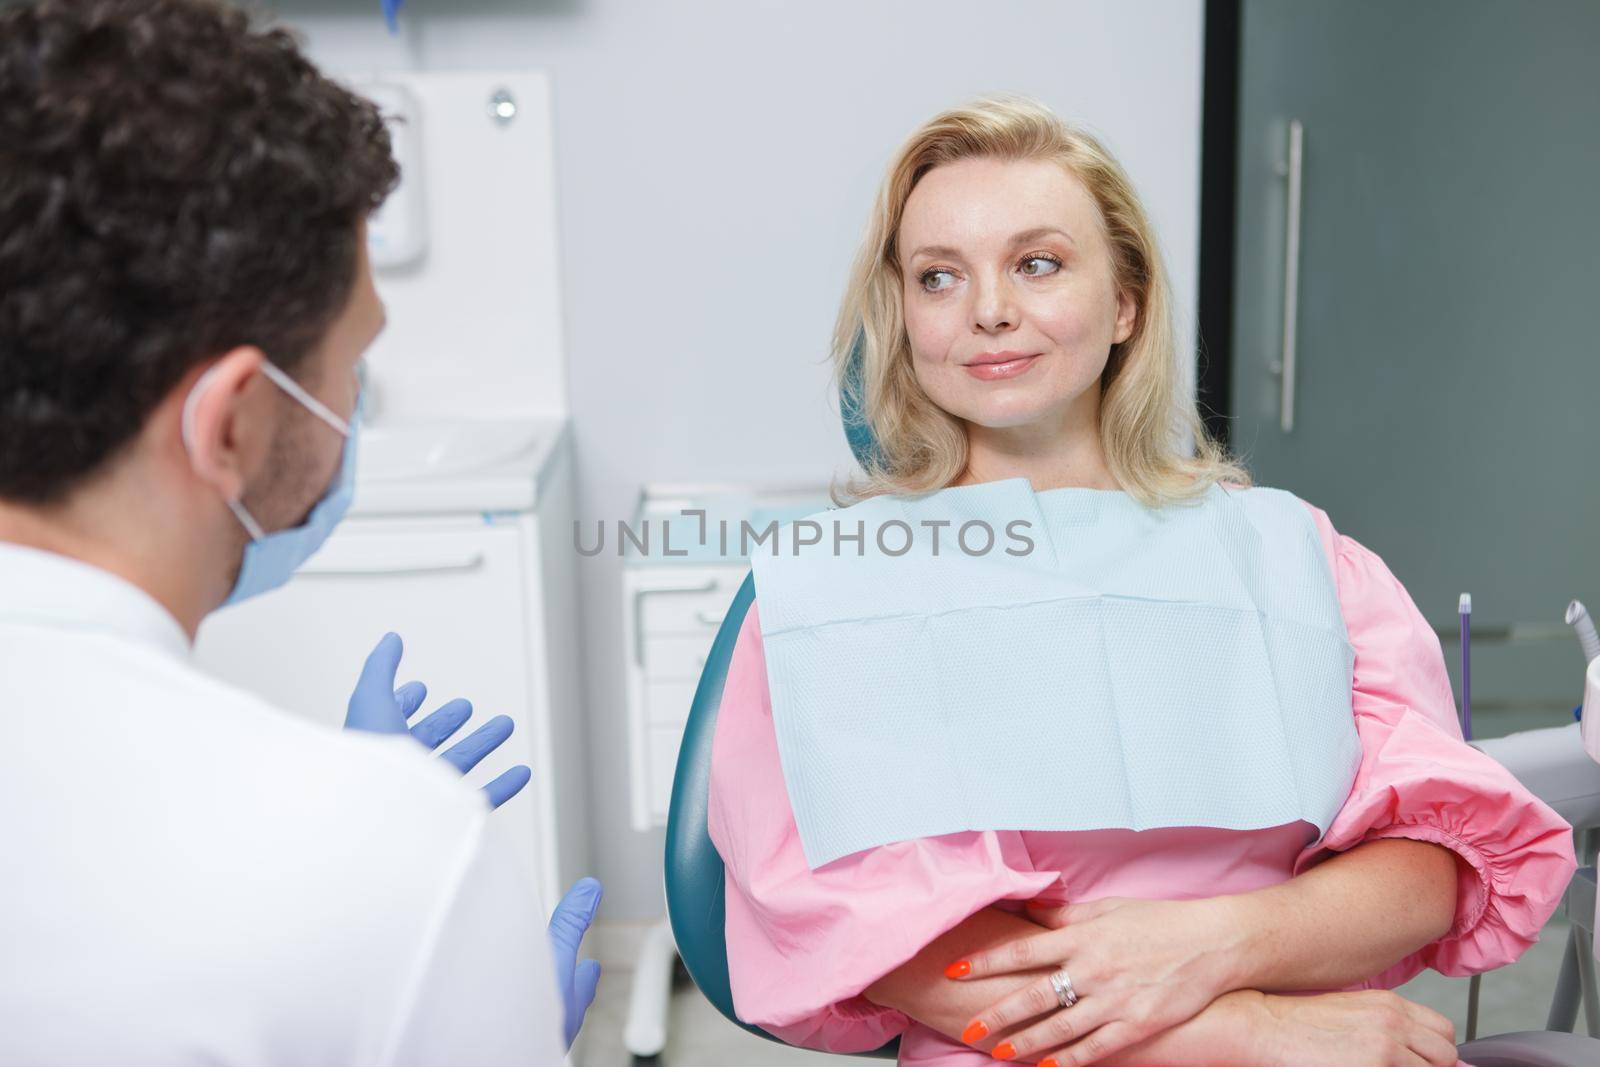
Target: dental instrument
x=1464 y=612
x=1578 y=618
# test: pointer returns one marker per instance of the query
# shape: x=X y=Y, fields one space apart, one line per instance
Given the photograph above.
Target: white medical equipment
x=1562 y=766
x=1552 y=763
x=397 y=232
x=460 y=535
x=1589 y=726
x=1578 y=617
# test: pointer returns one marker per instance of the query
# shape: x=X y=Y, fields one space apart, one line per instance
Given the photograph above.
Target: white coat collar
x=45 y=589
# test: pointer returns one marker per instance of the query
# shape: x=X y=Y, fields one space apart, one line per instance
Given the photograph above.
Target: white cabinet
x=450 y=587
x=672 y=613
x=672 y=609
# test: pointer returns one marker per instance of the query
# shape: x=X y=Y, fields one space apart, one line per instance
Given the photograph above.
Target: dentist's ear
x=226 y=424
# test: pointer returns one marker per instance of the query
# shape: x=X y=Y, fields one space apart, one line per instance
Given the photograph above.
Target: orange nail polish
x=1005 y=1051
x=975 y=1033
x=958 y=969
x=1051 y=1062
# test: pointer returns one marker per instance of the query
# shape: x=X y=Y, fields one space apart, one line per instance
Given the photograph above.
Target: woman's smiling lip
x=993 y=366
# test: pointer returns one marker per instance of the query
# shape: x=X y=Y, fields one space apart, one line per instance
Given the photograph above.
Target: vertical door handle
x=1293 y=172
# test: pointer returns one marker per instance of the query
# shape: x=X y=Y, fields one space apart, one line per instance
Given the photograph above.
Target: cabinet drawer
x=680 y=656
x=696 y=605
x=663 y=757
x=370 y=578
x=668 y=702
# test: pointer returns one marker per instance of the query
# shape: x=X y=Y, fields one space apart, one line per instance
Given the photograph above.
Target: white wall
x=715 y=161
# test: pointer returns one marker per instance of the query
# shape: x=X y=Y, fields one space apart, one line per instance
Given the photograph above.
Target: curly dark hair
x=175 y=181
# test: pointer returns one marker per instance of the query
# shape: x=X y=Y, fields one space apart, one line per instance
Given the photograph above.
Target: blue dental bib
x=1098 y=665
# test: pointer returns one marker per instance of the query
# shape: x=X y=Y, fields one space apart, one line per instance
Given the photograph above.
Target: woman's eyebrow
x=945 y=251
x=935 y=251
x=1042 y=231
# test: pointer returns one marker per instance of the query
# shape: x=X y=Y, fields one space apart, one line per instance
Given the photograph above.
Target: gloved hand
x=576 y=980
x=378 y=707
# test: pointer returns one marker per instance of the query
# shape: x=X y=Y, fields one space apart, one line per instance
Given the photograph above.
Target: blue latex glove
x=576 y=979
x=378 y=707
x=391 y=12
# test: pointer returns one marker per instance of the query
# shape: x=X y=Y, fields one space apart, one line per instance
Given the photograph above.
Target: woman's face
x=1010 y=302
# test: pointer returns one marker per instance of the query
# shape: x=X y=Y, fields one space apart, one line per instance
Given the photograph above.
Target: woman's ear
x=227 y=427
x=1127 y=316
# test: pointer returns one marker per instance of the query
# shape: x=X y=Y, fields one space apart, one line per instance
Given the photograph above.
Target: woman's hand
x=1372 y=1028
x=1138 y=967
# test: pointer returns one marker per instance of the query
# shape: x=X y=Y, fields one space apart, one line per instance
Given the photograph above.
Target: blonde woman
x=1167 y=748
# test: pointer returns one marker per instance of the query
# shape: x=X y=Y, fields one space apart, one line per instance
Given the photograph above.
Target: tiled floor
x=1514 y=998
x=697 y=1035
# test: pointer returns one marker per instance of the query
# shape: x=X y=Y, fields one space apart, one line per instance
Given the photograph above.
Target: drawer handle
x=638 y=610
x=382 y=567
x=709 y=618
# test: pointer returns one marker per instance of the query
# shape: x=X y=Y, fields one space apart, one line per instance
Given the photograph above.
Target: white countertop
x=456 y=465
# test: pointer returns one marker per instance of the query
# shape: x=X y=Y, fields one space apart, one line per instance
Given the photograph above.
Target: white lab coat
x=191 y=876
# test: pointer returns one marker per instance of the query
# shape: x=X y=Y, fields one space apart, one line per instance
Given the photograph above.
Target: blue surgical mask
x=271 y=559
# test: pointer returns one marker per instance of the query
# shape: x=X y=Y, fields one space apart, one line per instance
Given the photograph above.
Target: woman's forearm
x=1223 y=1035
x=1345 y=920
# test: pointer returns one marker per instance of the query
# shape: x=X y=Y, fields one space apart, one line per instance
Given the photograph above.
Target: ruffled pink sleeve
x=1418 y=779
x=804 y=944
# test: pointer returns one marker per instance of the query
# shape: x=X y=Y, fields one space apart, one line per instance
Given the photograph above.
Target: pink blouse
x=803 y=944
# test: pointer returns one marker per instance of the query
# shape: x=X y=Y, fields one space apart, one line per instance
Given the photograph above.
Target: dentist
x=190 y=875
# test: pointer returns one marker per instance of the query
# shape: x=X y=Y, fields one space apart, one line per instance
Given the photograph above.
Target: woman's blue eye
x=930 y=280
x=1047 y=265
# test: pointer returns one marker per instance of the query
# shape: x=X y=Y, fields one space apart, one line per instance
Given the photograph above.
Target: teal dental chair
x=696 y=890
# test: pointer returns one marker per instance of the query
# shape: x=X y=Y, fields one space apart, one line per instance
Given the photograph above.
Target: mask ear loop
x=312 y=404
x=251 y=526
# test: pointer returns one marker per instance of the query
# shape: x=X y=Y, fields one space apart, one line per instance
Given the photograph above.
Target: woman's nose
x=993 y=309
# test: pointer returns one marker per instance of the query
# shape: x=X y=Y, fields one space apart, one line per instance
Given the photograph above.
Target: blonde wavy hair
x=1143 y=413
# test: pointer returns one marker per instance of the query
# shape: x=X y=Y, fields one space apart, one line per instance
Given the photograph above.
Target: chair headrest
x=852 y=407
